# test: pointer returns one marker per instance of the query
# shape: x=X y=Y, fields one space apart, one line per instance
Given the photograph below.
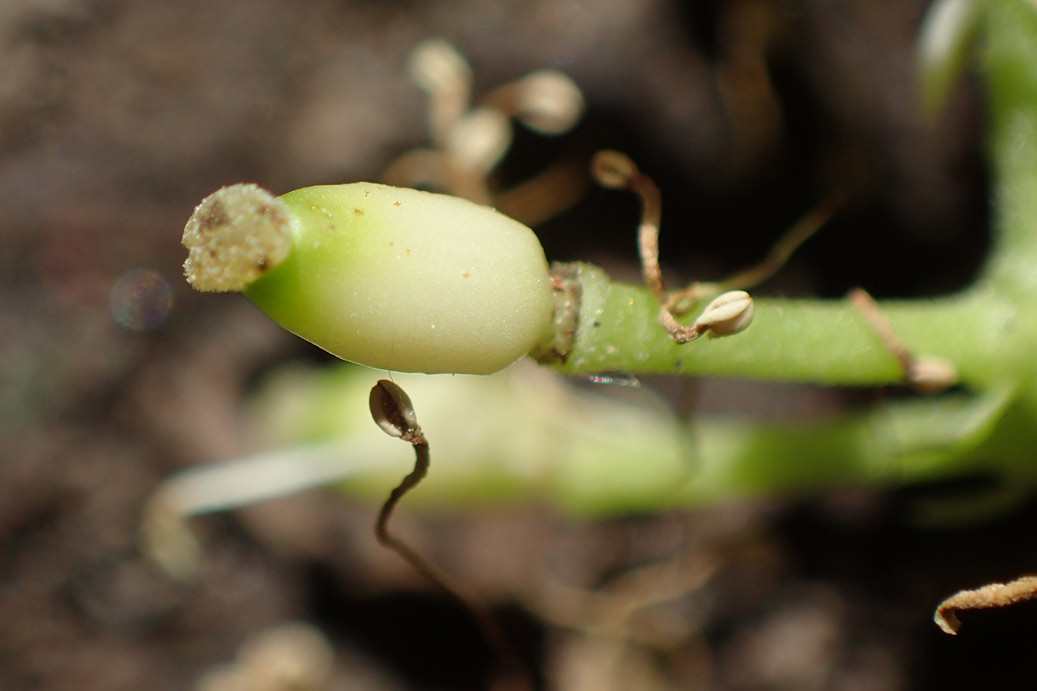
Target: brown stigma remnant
x=234 y=236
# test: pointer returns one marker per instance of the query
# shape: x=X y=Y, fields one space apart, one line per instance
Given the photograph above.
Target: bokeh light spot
x=141 y=300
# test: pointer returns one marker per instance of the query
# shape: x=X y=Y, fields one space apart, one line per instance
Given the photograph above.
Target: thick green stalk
x=827 y=342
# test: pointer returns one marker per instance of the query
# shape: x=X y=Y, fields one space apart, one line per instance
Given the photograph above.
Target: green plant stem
x=903 y=442
x=827 y=342
x=1010 y=76
x=540 y=440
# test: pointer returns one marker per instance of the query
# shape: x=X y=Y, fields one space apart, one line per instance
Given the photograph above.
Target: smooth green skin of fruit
x=406 y=280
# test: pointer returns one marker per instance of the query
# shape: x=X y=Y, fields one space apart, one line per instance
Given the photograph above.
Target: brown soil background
x=117 y=117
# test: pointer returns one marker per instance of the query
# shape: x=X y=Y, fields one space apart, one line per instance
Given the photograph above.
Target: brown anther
x=392 y=410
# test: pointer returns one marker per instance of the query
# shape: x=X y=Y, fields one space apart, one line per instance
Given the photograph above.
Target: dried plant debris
x=987 y=597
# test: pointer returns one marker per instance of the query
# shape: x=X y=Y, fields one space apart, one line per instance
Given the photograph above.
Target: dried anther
x=987 y=597
x=470 y=138
x=547 y=101
x=931 y=374
x=728 y=313
x=392 y=410
x=440 y=70
x=614 y=170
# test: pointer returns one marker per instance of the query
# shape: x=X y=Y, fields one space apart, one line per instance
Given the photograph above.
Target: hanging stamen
x=927 y=374
x=392 y=410
x=728 y=314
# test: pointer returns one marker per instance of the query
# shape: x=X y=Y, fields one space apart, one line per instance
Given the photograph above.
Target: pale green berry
x=388 y=277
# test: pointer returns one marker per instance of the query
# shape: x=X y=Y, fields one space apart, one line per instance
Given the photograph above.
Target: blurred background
x=117 y=117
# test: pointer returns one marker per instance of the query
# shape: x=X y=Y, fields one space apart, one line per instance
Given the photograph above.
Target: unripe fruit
x=387 y=277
